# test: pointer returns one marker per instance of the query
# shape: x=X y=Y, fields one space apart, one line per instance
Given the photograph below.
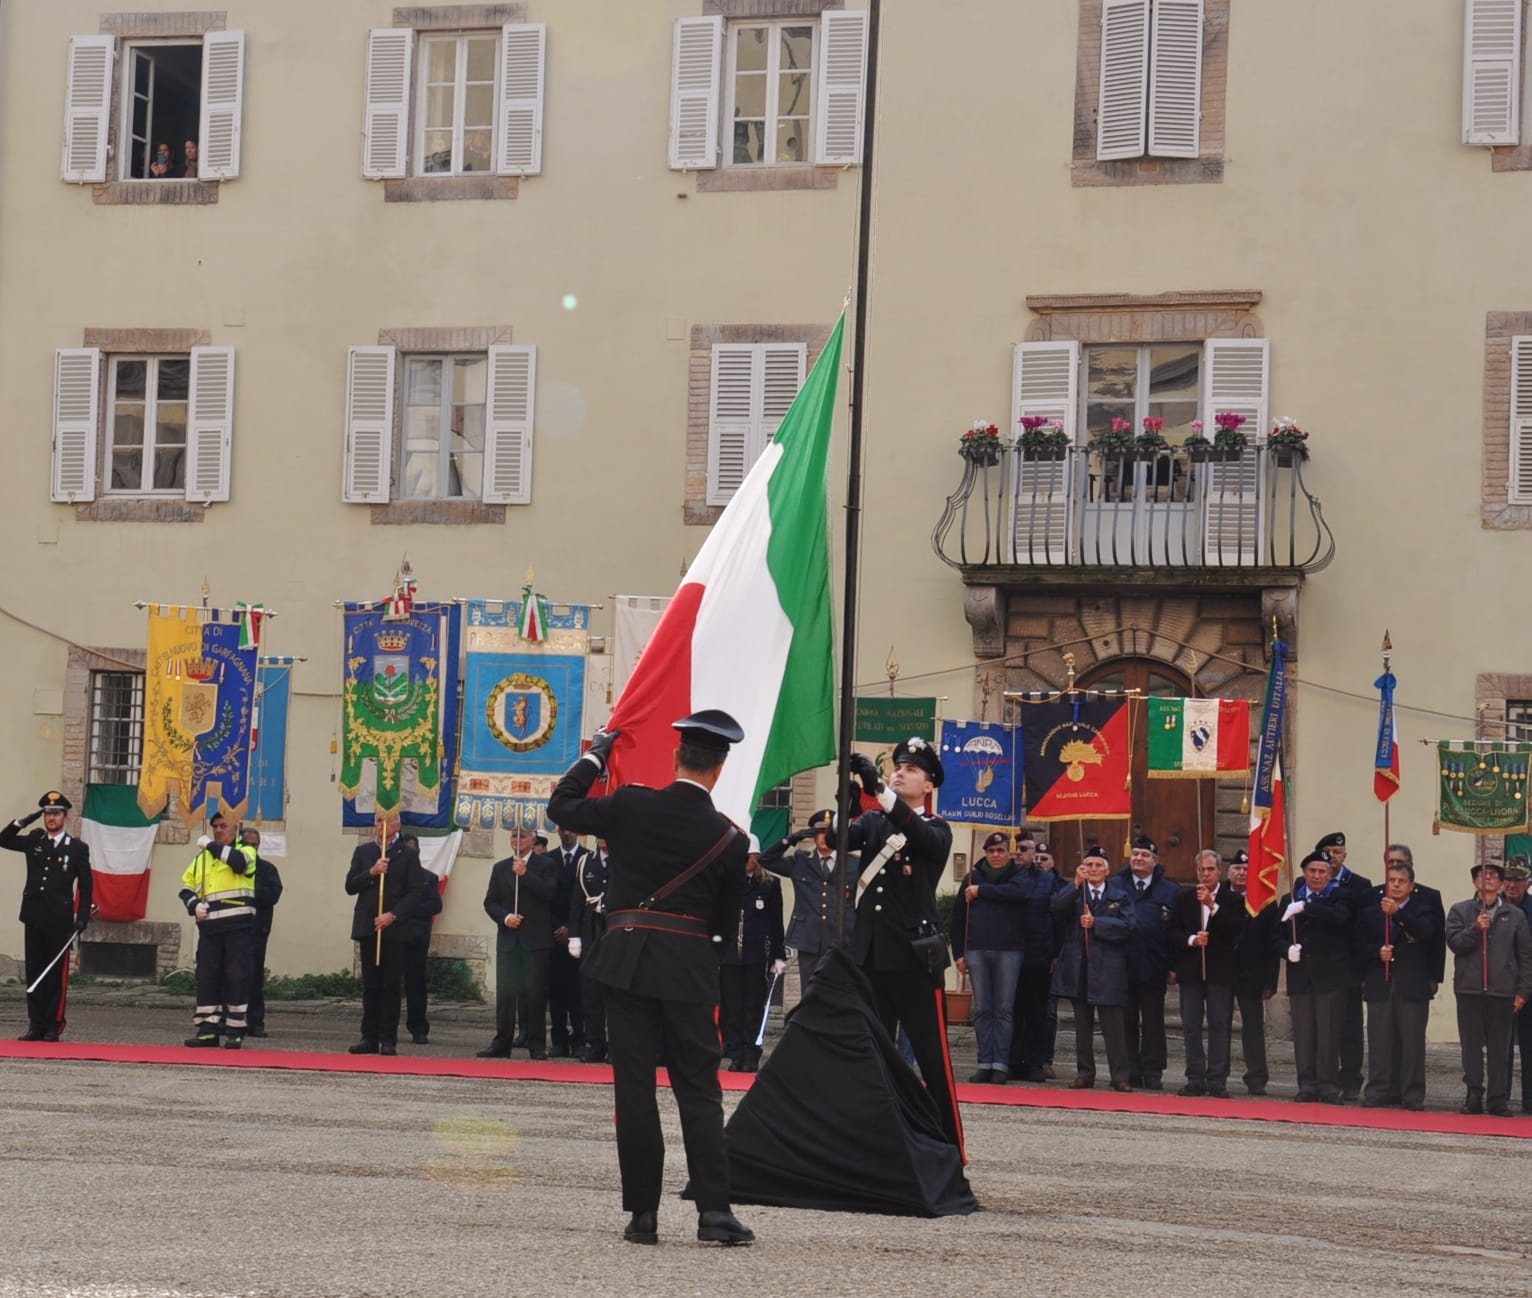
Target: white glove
x=1295 y=953
x=575 y=947
x=204 y=841
x=201 y=911
x=778 y=967
x=1293 y=908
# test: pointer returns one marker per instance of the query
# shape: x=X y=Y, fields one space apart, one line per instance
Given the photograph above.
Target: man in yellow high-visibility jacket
x=218 y=890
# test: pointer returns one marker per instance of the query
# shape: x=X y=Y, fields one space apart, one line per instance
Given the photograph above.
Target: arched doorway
x=1177 y=814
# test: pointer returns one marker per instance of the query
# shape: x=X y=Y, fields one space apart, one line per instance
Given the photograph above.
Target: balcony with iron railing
x=1168 y=511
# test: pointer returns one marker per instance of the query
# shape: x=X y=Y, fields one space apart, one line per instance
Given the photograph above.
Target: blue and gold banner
x=199 y=702
x=523 y=711
x=400 y=694
x=982 y=762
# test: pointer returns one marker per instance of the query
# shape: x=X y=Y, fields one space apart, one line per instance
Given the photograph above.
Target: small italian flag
x=1198 y=738
x=533 y=626
x=749 y=630
x=121 y=841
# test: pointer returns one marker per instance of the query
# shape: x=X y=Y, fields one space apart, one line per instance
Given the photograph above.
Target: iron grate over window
x=116 y=727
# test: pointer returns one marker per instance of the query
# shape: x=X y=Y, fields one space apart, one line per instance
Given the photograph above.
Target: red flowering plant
x=981 y=443
x=1151 y=441
x=1042 y=435
x=1286 y=435
x=1118 y=440
x=1229 y=436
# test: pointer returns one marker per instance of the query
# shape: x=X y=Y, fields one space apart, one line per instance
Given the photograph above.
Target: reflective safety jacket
x=223 y=875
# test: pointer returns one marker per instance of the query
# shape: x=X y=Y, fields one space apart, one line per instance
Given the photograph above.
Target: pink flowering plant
x=1230 y=435
x=1118 y=440
x=1039 y=433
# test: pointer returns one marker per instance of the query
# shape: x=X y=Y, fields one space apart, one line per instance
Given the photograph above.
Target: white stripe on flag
x=118 y=849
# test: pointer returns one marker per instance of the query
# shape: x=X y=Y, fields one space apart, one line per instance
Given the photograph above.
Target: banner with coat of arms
x=1482 y=786
x=199 y=700
x=524 y=708
x=982 y=762
x=1079 y=750
x=400 y=696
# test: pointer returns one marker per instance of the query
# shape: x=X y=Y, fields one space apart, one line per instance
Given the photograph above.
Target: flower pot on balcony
x=983 y=453
x=1287 y=456
x=1042 y=452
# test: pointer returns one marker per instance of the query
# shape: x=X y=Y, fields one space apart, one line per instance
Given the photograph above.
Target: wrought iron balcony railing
x=1161 y=510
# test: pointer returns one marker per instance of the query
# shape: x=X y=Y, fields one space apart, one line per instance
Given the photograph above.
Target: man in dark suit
x=1353 y=1035
x=1092 y=968
x=677 y=874
x=811 y=930
x=400 y=876
x=904 y=855
x=587 y=922
x=417 y=953
x=565 y=1012
x=1205 y=926
x=1256 y=979
x=1150 y=895
x=55 y=906
x=519 y=899
x=268 y=891
x=1314 y=933
x=1396 y=936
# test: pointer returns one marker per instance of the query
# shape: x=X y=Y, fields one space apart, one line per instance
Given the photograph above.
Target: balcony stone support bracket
x=984 y=607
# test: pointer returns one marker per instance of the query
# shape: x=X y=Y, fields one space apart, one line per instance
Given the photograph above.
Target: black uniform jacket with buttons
x=654 y=834
x=1414 y=931
x=1327 y=962
x=586 y=918
x=756 y=938
x=53 y=874
x=903 y=893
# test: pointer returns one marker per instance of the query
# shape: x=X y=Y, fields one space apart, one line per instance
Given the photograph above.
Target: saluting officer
x=677 y=876
x=55 y=903
x=811 y=931
x=904 y=853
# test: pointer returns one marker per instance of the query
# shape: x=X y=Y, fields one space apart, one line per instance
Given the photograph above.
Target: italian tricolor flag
x=121 y=841
x=1196 y=738
x=749 y=630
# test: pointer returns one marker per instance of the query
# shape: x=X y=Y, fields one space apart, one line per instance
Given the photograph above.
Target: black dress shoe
x=255 y=1032
x=1193 y=1088
x=1305 y=1097
x=723 y=1228
x=364 y=1048
x=519 y=1040
x=980 y=1078
x=388 y=1048
x=1471 y=1105
x=1152 y=1082
x=1255 y=1088
x=50 y=1034
x=420 y=1038
x=31 y=1034
x=1498 y=1110
x=494 y=1052
x=203 y=1041
x=593 y=1055
x=1411 y=1106
x=642 y=1229
x=560 y=1050
x=1033 y=1075
x=537 y=1053
x=1218 y=1092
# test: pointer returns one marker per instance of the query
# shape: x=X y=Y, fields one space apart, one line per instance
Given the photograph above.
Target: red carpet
x=1037 y=1097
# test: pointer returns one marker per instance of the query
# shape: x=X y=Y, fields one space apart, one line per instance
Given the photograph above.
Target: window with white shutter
x=210 y=424
x=164 y=118
x=840 y=93
x=752 y=388
x=1044 y=384
x=508 y=425
x=696 y=59
x=88 y=108
x=1521 y=420
x=1237 y=379
x=76 y=411
x=223 y=82
x=523 y=51
x=1150 y=94
x=369 y=425
x=1492 y=72
x=386 y=113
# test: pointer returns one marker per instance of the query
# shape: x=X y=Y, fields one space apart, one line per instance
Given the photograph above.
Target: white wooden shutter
x=1121 y=110
x=88 y=108
x=223 y=90
x=210 y=424
x=1237 y=378
x=386 y=113
x=369 y=425
x=1492 y=72
x=1521 y=420
x=1045 y=384
x=508 y=426
x=76 y=410
x=840 y=85
x=695 y=68
x=523 y=52
x=1175 y=79
x=753 y=388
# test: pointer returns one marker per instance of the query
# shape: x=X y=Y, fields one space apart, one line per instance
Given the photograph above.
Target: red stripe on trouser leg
x=957 y=1116
x=63 y=991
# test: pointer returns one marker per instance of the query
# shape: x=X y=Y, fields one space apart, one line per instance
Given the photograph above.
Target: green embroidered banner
x=1482 y=788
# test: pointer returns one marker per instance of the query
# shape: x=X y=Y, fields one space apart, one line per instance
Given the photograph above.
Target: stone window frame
x=695 y=511
x=1496 y=512
x=142 y=342
x=777 y=178
x=416 y=340
x=83 y=662
x=1517 y=157
x=1086 y=171
x=460 y=18
x=148 y=25
x=1182 y=315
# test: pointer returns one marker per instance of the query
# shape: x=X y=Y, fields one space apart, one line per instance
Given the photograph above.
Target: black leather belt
x=658 y=921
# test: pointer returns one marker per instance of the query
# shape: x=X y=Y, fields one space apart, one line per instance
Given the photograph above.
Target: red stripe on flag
x=120 y=897
x=1268 y=852
x=658 y=694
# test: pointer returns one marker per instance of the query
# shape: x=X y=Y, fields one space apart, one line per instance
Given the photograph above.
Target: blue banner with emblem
x=982 y=763
x=523 y=702
x=268 y=740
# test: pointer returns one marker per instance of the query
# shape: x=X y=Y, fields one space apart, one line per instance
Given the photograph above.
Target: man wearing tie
x=587 y=922
x=811 y=931
x=565 y=1009
x=1092 y=969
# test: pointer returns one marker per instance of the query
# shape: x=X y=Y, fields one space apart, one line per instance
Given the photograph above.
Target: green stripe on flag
x=116 y=804
x=798 y=558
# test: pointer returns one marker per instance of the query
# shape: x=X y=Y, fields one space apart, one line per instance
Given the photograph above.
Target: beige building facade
x=528 y=284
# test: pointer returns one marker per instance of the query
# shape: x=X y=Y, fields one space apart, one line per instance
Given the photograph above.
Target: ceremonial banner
x=635 y=621
x=1385 y=763
x=1482 y=786
x=268 y=742
x=400 y=713
x=1198 y=738
x=199 y=704
x=1078 y=753
x=524 y=704
x=121 y=840
x=982 y=762
x=882 y=724
x=1268 y=811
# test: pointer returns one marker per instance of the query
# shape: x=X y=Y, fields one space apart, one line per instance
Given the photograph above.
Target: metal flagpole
x=854 y=483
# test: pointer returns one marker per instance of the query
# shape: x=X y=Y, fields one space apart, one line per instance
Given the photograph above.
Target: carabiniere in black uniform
x=58 y=867
x=658 y=966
